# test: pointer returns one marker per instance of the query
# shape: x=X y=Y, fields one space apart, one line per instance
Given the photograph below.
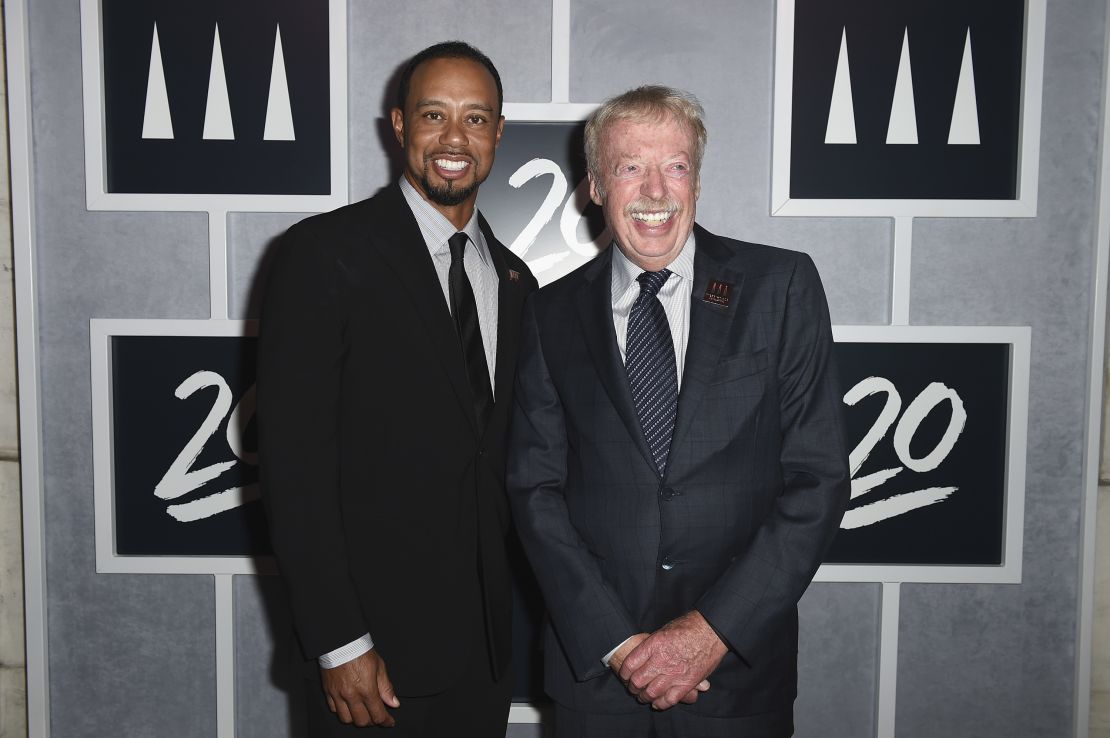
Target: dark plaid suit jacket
x=756 y=484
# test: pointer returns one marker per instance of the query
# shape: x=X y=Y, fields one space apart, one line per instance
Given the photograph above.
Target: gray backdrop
x=133 y=655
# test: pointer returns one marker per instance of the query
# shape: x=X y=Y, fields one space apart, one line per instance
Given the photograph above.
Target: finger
x=359 y=714
x=331 y=703
x=674 y=695
x=667 y=699
x=385 y=689
x=378 y=714
x=644 y=676
x=636 y=658
x=690 y=697
x=343 y=712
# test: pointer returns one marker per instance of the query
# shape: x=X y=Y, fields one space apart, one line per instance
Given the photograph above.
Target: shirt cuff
x=606 y=657
x=343 y=654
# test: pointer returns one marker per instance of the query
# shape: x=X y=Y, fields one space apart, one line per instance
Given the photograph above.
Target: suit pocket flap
x=738 y=366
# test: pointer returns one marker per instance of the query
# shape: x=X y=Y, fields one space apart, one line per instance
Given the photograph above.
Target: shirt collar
x=436 y=228
x=625 y=272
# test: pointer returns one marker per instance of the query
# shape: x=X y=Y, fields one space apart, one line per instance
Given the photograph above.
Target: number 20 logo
x=904 y=431
x=181 y=479
x=574 y=208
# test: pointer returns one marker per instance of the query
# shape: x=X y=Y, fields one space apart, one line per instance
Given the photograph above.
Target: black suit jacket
x=382 y=492
x=756 y=484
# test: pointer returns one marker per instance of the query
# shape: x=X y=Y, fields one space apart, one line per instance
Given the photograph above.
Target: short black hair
x=447 y=50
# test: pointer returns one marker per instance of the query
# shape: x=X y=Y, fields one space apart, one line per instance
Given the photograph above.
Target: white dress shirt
x=675 y=295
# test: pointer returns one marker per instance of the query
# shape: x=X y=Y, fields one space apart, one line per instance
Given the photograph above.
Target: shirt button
x=668 y=563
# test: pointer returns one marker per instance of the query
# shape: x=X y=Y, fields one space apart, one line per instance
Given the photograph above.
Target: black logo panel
x=537 y=198
x=212 y=97
x=184 y=447
x=919 y=99
x=928 y=423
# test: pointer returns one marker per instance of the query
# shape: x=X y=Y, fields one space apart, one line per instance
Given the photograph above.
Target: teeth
x=653 y=218
x=451 y=166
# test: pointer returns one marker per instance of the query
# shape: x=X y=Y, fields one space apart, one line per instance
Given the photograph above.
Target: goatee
x=447 y=195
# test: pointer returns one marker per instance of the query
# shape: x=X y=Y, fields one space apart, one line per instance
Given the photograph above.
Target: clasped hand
x=672 y=664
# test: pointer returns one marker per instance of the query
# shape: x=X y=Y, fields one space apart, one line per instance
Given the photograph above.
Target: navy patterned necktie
x=650 y=364
x=465 y=313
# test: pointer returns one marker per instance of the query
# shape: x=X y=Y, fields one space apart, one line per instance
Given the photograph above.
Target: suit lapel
x=709 y=325
x=595 y=313
x=397 y=238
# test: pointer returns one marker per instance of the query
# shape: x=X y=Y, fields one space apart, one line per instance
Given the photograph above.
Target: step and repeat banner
x=881 y=109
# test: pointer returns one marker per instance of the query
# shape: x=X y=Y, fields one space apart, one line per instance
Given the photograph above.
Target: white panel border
x=1025 y=206
x=97 y=198
x=101 y=332
x=1018 y=337
x=21 y=147
x=1092 y=452
x=552 y=112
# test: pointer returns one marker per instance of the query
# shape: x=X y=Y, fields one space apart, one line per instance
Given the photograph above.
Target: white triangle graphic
x=965 y=114
x=156 y=116
x=279 y=115
x=217 y=113
x=841 y=128
x=902 y=128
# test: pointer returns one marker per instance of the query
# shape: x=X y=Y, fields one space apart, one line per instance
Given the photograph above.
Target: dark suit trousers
x=475 y=706
x=676 y=722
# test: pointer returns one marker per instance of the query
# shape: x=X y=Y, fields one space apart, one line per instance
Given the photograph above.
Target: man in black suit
x=387 y=350
x=677 y=461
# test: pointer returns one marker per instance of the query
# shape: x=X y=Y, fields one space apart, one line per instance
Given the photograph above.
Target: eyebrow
x=429 y=102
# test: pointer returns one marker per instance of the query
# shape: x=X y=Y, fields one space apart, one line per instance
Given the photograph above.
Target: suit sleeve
x=299 y=377
x=589 y=618
x=761 y=588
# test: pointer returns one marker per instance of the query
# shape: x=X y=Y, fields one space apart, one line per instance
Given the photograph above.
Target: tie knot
x=652 y=282
x=457 y=244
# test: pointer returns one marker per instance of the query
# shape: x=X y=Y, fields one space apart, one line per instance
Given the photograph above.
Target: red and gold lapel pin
x=717 y=293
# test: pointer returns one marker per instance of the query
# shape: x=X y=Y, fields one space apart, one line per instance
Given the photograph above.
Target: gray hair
x=651 y=103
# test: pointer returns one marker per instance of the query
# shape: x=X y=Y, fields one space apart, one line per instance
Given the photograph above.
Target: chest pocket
x=739 y=366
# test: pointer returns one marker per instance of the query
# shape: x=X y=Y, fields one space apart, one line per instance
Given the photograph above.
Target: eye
x=629 y=169
x=433 y=115
x=475 y=120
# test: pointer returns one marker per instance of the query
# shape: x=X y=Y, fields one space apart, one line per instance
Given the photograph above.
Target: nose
x=453 y=133
x=653 y=185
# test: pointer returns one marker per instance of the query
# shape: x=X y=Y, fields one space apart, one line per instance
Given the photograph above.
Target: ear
x=398 y=117
x=500 y=130
x=595 y=191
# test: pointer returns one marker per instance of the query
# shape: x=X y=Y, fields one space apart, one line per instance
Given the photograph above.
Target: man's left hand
x=673 y=660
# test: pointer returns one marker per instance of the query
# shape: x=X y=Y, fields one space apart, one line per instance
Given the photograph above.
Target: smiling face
x=449 y=129
x=648 y=188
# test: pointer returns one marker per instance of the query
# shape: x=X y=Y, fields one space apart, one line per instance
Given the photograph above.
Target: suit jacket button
x=668 y=563
x=668 y=494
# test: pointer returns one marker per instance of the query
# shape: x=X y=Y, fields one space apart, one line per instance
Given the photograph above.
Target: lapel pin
x=717 y=293
x=514 y=275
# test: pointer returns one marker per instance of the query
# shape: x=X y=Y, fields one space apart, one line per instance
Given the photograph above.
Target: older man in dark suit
x=677 y=460
x=387 y=350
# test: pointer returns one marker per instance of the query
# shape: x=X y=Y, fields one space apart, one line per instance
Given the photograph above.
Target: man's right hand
x=359 y=690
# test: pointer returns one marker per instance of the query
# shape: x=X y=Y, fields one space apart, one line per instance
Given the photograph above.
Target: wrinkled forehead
x=621 y=135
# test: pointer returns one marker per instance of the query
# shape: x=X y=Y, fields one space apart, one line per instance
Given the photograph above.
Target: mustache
x=446 y=152
x=647 y=205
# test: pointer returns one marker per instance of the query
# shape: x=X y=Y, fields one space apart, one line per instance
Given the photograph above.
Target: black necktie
x=650 y=364
x=465 y=313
